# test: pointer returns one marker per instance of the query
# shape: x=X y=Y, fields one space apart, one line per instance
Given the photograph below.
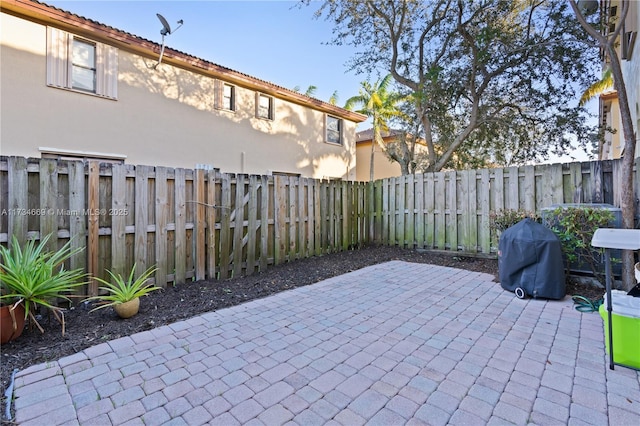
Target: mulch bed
x=84 y=328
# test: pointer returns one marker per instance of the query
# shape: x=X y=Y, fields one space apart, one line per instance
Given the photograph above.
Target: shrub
x=500 y=220
x=124 y=289
x=34 y=276
x=575 y=227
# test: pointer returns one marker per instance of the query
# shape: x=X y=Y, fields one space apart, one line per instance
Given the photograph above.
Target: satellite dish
x=588 y=7
x=166 y=29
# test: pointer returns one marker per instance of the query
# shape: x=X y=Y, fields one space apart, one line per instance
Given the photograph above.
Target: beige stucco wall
x=162 y=117
x=382 y=166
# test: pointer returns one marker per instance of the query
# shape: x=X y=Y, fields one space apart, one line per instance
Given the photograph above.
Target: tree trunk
x=373 y=148
x=627 y=199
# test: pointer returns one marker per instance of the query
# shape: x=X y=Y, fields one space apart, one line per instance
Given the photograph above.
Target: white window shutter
x=57 y=57
x=107 y=71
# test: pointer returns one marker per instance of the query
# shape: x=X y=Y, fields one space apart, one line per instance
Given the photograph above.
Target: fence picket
x=429 y=210
x=18 y=191
x=252 y=227
x=238 y=226
x=162 y=218
x=225 y=226
x=401 y=203
x=93 y=205
x=141 y=217
x=529 y=189
x=484 y=198
x=264 y=222
x=200 y=224
x=452 y=222
x=211 y=215
x=180 y=240
x=440 y=211
x=574 y=189
x=77 y=227
x=48 y=202
x=420 y=211
x=118 y=221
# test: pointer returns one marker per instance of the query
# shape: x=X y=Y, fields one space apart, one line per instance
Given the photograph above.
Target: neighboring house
x=629 y=52
x=76 y=88
x=383 y=167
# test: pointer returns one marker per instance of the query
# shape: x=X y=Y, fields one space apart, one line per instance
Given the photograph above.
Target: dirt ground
x=84 y=328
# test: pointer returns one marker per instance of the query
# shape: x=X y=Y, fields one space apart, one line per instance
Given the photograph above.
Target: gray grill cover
x=530 y=256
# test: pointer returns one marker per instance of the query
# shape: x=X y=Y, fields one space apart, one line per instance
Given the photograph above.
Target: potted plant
x=123 y=294
x=31 y=276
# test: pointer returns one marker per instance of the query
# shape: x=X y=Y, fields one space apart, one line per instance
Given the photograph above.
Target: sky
x=274 y=40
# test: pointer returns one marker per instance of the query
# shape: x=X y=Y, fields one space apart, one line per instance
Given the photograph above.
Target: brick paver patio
x=395 y=343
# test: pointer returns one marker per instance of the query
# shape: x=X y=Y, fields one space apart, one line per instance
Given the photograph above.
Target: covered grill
x=530 y=261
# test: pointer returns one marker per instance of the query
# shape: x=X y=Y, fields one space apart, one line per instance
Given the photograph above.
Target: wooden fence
x=451 y=210
x=197 y=224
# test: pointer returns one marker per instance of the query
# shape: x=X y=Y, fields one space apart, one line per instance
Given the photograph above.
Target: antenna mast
x=166 y=29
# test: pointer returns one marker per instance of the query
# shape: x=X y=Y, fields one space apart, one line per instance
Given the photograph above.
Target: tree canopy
x=499 y=78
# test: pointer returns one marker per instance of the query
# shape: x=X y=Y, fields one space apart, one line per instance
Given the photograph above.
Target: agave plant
x=122 y=290
x=34 y=276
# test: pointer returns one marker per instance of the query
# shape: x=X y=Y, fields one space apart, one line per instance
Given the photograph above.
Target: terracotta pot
x=11 y=330
x=127 y=309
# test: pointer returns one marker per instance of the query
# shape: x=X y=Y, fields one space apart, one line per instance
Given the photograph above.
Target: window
x=81 y=65
x=264 y=106
x=333 y=130
x=225 y=96
x=228 y=97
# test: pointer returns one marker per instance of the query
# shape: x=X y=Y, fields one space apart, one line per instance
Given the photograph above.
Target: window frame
x=232 y=97
x=327 y=130
x=271 y=107
x=73 y=65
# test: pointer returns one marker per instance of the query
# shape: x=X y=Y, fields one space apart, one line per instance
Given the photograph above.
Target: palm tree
x=333 y=100
x=311 y=90
x=599 y=87
x=380 y=104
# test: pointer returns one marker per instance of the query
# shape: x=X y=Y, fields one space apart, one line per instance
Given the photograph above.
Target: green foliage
x=34 y=276
x=502 y=219
x=575 y=227
x=381 y=105
x=123 y=289
x=495 y=80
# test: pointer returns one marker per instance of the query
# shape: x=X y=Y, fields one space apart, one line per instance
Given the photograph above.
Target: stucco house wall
x=613 y=146
x=382 y=166
x=163 y=117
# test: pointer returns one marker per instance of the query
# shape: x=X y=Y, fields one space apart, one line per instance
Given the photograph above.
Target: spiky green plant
x=123 y=289
x=34 y=276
